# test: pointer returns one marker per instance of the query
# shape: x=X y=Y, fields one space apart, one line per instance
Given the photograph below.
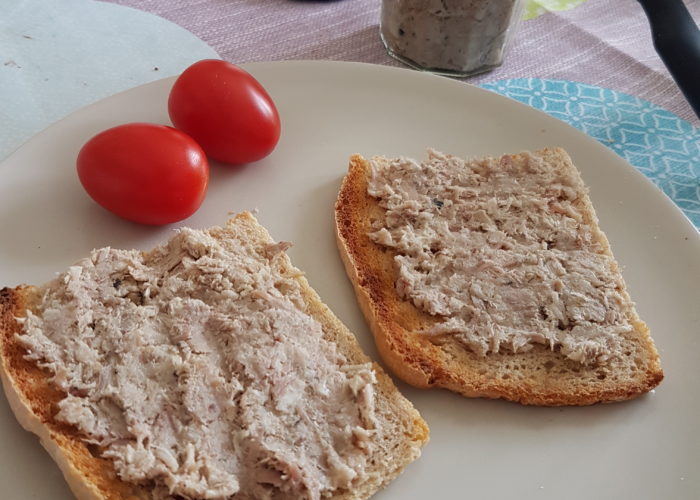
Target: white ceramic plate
x=644 y=449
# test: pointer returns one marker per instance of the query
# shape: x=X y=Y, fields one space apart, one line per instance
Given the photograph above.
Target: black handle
x=677 y=40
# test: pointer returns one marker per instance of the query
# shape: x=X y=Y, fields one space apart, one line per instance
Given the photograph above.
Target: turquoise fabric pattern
x=665 y=148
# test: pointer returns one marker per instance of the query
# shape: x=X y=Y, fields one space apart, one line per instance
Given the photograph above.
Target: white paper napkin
x=57 y=56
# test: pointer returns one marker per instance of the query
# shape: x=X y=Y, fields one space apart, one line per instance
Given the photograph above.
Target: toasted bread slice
x=541 y=375
x=400 y=431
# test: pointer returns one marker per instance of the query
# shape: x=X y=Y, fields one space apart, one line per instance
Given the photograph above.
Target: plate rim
x=429 y=78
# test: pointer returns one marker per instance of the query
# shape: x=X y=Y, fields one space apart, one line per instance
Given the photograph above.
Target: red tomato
x=143 y=172
x=226 y=111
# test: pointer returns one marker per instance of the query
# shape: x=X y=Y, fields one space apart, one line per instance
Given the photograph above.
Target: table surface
x=598 y=42
x=590 y=63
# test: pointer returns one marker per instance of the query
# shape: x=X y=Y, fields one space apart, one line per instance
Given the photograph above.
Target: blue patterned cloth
x=665 y=148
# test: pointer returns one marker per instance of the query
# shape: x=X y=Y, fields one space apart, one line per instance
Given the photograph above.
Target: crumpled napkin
x=58 y=56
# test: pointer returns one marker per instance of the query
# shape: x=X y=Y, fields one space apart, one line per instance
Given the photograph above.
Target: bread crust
x=537 y=377
x=33 y=400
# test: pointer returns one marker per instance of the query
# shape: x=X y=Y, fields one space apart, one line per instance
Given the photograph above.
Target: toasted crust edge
x=32 y=402
x=89 y=477
x=423 y=364
x=415 y=435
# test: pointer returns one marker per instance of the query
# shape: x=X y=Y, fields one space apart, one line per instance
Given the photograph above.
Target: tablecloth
x=615 y=87
x=597 y=42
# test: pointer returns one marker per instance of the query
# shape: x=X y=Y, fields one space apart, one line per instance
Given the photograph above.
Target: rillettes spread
x=196 y=370
x=499 y=251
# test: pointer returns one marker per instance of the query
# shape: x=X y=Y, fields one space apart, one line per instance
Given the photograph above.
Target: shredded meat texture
x=501 y=252
x=195 y=369
x=455 y=35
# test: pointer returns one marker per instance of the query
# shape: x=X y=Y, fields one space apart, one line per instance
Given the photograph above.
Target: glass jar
x=449 y=37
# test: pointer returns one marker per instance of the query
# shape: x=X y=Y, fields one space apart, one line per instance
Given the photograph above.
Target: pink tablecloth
x=599 y=42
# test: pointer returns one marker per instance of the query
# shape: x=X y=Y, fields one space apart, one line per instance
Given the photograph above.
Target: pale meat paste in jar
x=460 y=36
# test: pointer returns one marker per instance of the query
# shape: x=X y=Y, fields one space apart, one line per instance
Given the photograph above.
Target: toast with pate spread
x=204 y=368
x=491 y=278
